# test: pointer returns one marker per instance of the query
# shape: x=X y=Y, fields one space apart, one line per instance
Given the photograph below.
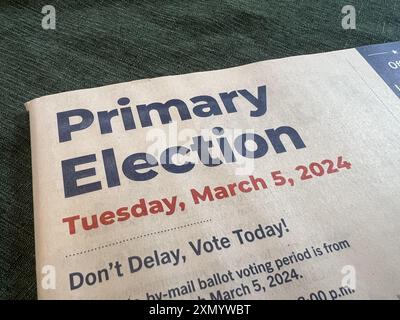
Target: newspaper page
x=274 y=180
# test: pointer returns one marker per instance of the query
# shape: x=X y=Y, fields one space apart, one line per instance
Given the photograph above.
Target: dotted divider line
x=118 y=242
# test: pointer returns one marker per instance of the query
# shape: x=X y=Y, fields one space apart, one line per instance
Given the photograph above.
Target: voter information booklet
x=274 y=180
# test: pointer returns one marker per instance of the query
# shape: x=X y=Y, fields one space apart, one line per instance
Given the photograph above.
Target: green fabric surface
x=103 y=42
